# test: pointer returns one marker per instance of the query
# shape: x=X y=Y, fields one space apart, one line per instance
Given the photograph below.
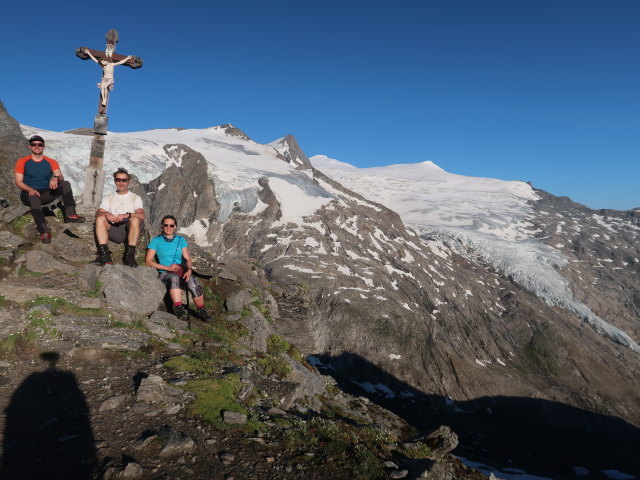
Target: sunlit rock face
x=13 y=145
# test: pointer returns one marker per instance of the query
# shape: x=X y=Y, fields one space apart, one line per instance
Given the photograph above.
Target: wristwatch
x=129 y=214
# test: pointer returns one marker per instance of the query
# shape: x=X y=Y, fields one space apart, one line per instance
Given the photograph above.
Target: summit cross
x=108 y=61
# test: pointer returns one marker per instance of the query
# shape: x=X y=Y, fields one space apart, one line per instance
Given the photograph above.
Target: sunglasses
x=37 y=144
x=169 y=225
x=121 y=180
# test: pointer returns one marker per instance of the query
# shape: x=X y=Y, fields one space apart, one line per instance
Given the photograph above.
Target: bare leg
x=199 y=300
x=134 y=231
x=102 y=230
x=176 y=295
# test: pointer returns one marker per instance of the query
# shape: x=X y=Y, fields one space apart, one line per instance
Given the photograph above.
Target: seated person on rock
x=119 y=219
x=41 y=182
x=167 y=253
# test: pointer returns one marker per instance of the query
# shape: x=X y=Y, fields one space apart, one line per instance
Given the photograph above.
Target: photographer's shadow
x=47 y=430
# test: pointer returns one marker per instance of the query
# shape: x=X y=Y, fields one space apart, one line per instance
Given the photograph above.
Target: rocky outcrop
x=184 y=190
x=291 y=152
x=136 y=290
x=266 y=196
x=13 y=145
x=603 y=247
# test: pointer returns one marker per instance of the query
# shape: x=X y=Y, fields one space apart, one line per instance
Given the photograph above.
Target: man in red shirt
x=41 y=181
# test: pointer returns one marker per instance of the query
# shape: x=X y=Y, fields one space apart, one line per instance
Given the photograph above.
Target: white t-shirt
x=117 y=204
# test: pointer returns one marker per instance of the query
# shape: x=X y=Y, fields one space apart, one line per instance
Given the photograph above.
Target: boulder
x=441 y=441
x=153 y=391
x=73 y=249
x=301 y=383
x=175 y=442
x=41 y=262
x=239 y=300
x=234 y=418
x=259 y=330
x=135 y=290
x=13 y=212
x=88 y=277
x=9 y=240
x=112 y=403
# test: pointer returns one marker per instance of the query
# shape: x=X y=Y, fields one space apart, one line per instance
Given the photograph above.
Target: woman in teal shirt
x=171 y=252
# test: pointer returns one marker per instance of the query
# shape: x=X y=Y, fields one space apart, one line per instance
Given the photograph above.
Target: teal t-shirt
x=170 y=252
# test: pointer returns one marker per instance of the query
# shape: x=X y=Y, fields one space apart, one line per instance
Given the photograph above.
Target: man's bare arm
x=56 y=179
x=139 y=214
x=19 y=181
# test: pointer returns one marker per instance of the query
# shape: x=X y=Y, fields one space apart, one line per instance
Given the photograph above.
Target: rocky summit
x=366 y=323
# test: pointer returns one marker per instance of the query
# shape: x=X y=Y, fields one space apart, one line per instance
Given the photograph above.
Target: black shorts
x=119 y=231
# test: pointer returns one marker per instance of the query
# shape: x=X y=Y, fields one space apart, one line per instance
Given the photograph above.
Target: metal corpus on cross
x=108 y=61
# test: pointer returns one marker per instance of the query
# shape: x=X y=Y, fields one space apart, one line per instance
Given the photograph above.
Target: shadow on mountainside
x=542 y=437
x=47 y=429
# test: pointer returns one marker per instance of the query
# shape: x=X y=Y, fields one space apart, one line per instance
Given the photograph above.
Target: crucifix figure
x=106 y=84
x=108 y=60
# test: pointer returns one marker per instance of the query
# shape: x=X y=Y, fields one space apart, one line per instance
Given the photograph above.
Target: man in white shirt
x=119 y=219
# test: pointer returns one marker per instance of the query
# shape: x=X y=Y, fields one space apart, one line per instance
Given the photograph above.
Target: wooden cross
x=108 y=60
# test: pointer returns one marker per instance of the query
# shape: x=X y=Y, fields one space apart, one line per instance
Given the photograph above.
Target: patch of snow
x=377 y=388
x=503 y=474
x=198 y=229
x=617 y=475
x=300 y=269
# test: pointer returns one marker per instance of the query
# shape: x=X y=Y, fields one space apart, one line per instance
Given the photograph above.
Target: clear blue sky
x=539 y=90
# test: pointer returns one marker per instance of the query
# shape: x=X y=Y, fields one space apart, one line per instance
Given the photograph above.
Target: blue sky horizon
x=534 y=90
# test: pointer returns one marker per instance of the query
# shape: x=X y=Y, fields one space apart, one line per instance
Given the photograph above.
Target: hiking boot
x=181 y=312
x=129 y=257
x=104 y=255
x=204 y=315
x=74 y=218
x=45 y=237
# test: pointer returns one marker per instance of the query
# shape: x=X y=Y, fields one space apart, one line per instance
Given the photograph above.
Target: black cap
x=36 y=138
